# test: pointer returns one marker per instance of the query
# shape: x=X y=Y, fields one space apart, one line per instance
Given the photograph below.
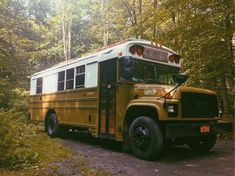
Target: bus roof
x=108 y=52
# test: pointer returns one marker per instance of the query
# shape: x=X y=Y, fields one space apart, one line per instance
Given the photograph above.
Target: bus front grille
x=199 y=105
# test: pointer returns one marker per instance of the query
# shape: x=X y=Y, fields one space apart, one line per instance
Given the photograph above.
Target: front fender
x=156 y=105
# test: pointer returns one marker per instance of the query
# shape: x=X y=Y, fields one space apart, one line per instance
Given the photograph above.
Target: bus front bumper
x=178 y=130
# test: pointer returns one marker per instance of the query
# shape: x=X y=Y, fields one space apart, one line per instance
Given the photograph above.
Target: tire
x=145 y=138
x=202 y=143
x=52 y=127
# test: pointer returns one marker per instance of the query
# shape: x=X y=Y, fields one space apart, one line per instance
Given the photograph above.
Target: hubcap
x=51 y=127
x=141 y=138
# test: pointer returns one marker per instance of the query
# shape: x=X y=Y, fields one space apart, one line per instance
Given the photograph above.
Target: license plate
x=205 y=129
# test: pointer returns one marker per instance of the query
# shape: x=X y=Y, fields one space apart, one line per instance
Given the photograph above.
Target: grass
x=45 y=151
x=36 y=154
x=53 y=159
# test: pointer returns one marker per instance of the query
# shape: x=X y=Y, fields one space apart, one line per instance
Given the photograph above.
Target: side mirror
x=180 y=78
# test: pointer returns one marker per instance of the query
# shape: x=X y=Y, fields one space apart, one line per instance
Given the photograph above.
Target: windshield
x=135 y=70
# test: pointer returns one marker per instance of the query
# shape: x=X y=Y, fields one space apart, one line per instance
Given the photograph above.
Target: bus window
x=61 y=77
x=126 y=68
x=33 y=86
x=50 y=83
x=146 y=72
x=39 y=85
x=80 y=76
x=91 y=75
x=164 y=74
x=69 y=78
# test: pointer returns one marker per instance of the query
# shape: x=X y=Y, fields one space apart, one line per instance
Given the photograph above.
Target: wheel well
x=50 y=111
x=136 y=111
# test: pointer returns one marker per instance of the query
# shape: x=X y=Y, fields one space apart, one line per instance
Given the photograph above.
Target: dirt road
x=177 y=161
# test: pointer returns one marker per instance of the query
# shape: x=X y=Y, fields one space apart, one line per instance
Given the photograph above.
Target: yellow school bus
x=129 y=92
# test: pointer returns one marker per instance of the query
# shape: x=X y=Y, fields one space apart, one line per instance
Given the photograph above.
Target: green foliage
x=21 y=141
x=32 y=36
x=26 y=145
x=19 y=103
x=202 y=32
x=15 y=149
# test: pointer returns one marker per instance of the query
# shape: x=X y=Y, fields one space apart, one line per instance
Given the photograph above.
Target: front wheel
x=202 y=143
x=52 y=126
x=146 y=139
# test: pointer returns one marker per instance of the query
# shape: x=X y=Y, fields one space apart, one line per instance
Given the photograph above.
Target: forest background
x=37 y=34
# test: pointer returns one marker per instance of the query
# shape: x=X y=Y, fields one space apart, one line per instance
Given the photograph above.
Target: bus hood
x=153 y=90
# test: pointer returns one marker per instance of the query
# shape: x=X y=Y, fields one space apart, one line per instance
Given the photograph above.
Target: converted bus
x=129 y=92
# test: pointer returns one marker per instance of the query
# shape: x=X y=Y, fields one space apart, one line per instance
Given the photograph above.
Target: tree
x=202 y=33
x=38 y=34
x=15 y=42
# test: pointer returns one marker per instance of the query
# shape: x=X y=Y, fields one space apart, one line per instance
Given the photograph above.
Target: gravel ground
x=177 y=161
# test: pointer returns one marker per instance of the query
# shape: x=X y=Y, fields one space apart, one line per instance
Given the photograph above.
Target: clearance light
x=136 y=49
x=174 y=58
x=139 y=52
x=132 y=50
x=177 y=60
x=171 y=59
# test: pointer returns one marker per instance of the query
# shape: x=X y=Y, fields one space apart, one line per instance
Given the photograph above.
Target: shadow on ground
x=169 y=154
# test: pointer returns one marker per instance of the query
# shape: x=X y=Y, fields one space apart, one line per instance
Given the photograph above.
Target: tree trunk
x=225 y=96
x=64 y=36
x=155 y=21
x=134 y=12
x=140 y=7
x=154 y=30
x=69 y=41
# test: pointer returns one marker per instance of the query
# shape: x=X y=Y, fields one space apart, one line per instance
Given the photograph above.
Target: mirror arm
x=164 y=96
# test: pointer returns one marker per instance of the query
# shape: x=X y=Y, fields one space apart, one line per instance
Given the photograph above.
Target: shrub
x=15 y=137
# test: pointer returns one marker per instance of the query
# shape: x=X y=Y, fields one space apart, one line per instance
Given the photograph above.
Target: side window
x=39 y=85
x=61 y=77
x=80 y=76
x=69 y=78
x=33 y=85
x=91 y=75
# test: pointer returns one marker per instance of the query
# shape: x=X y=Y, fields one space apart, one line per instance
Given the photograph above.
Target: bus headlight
x=172 y=110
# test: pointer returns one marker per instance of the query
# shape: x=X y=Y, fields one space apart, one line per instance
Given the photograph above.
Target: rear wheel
x=202 y=143
x=52 y=126
x=146 y=140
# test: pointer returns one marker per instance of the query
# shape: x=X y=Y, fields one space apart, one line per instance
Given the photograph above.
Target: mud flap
x=223 y=127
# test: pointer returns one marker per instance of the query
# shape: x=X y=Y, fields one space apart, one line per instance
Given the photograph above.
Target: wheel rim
x=141 y=138
x=51 y=127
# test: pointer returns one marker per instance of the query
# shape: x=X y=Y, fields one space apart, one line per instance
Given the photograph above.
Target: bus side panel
x=36 y=110
x=77 y=107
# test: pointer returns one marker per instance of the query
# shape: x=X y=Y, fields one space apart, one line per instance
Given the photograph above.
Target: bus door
x=107 y=99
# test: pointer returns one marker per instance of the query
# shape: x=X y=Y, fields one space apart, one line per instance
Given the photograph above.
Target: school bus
x=130 y=92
